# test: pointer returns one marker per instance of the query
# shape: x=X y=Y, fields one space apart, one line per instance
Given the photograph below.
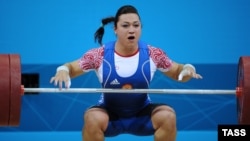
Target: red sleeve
x=160 y=58
x=92 y=59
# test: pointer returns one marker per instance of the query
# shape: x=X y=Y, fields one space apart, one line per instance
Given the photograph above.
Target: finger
x=68 y=83
x=60 y=84
x=55 y=82
x=197 y=76
x=52 y=79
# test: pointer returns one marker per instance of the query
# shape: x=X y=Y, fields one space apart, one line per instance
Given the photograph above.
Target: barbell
x=11 y=90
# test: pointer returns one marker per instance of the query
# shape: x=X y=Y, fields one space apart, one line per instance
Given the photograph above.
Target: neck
x=128 y=50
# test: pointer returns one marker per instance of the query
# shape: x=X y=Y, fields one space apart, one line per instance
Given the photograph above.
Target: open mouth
x=131 y=37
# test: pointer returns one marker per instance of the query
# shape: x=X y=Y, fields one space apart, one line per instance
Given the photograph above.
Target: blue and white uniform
x=125 y=104
x=128 y=113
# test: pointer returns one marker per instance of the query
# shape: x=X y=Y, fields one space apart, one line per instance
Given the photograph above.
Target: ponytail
x=100 y=31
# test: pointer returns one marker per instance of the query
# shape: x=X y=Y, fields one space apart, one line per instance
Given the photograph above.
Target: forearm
x=74 y=69
x=182 y=72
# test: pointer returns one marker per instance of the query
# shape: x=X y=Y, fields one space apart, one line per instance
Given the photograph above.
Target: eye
x=136 y=25
x=125 y=25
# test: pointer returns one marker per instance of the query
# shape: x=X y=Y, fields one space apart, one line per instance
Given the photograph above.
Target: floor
x=76 y=136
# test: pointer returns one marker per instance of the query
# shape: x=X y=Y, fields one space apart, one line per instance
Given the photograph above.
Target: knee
x=170 y=115
x=95 y=119
x=164 y=116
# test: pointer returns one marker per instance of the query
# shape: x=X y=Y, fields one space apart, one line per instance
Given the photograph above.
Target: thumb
x=183 y=73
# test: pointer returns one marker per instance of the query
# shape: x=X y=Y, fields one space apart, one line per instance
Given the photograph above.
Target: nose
x=131 y=29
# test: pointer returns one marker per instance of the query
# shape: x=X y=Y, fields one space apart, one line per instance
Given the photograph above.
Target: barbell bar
x=11 y=90
x=130 y=91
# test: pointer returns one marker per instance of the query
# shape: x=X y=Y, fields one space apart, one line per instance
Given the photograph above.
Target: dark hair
x=122 y=10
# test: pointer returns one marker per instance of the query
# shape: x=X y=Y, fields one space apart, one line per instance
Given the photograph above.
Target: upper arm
x=164 y=63
x=91 y=60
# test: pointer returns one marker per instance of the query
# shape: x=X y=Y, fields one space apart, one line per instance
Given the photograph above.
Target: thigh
x=140 y=124
x=114 y=125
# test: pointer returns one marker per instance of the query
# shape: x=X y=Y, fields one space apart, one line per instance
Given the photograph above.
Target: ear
x=115 y=30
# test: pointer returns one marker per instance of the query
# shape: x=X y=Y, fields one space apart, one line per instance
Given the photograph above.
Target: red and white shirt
x=92 y=60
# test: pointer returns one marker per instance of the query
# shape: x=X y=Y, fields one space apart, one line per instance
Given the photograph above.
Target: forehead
x=131 y=17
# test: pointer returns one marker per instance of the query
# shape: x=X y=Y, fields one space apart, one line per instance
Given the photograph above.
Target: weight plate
x=4 y=90
x=15 y=90
x=243 y=82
